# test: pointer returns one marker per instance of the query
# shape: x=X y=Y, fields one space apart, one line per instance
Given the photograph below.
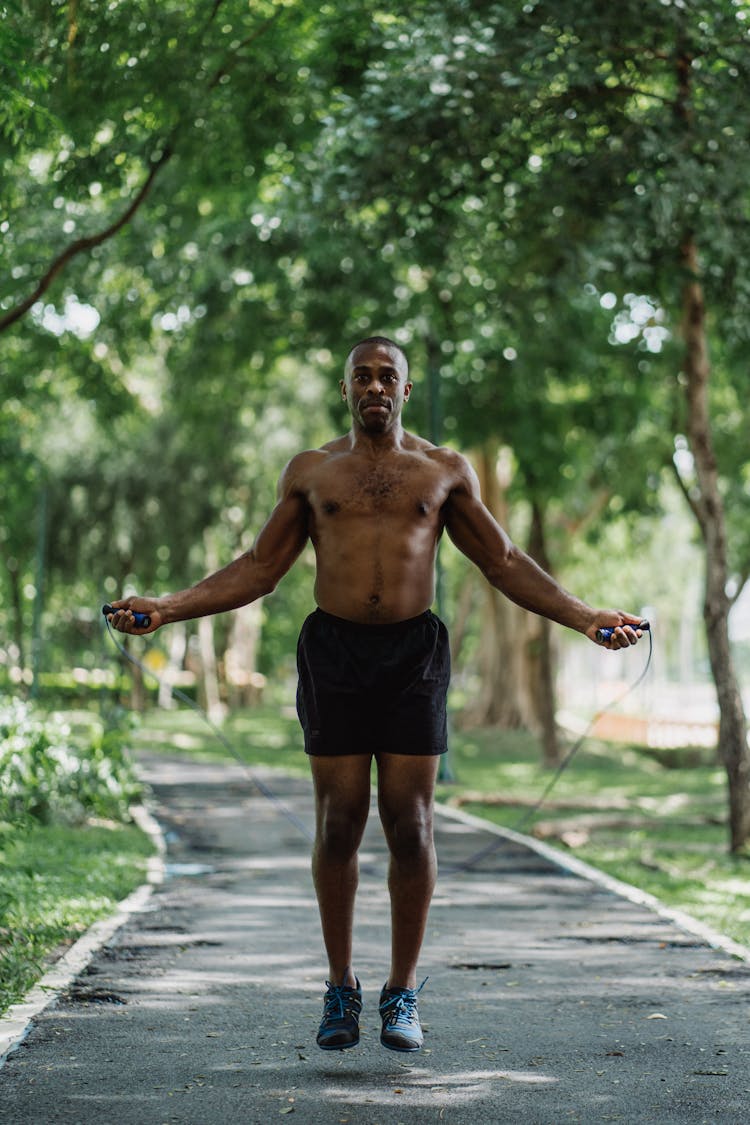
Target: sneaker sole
x=401 y=1050
x=337 y=1046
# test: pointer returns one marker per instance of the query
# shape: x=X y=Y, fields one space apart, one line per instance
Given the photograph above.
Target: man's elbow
x=267 y=580
x=498 y=570
x=263 y=577
x=495 y=575
x=269 y=585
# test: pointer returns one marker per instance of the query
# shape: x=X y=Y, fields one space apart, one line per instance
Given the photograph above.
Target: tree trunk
x=176 y=649
x=243 y=680
x=541 y=653
x=206 y=642
x=461 y=614
x=211 y=699
x=708 y=508
x=504 y=698
x=137 y=683
x=14 y=581
x=501 y=701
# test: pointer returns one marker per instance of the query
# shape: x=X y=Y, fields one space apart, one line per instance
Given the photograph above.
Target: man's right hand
x=122 y=619
x=625 y=625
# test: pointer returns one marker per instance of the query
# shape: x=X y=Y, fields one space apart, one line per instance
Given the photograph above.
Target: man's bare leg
x=406 y=787
x=342 y=804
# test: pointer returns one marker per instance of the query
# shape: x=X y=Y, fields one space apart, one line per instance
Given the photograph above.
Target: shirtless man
x=373 y=659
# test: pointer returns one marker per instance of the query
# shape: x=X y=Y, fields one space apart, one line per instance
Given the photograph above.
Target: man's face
x=376 y=386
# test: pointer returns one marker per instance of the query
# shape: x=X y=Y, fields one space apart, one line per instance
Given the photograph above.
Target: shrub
x=52 y=773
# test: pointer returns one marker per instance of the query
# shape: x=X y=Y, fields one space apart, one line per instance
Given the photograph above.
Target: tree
x=572 y=130
x=423 y=224
x=143 y=294
x=501 y=186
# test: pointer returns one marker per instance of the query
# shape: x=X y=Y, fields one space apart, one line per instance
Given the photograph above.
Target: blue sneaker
x=339 y=1027
x=402 y=1030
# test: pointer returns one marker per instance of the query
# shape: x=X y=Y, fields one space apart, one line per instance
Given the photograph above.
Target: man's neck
x=376 y=444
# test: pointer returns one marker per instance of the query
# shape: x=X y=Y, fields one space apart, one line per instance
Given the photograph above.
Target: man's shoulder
x=308 y=458
x=448 y=459
x=299 y=469
x=336 y=445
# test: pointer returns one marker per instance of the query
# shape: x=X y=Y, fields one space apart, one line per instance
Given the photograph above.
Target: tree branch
x=81 y=245
x=741 y=582
x=603 y=89
x=691 y=501
x=234 y=56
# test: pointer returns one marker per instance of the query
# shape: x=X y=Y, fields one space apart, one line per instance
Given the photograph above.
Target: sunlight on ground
x=425 y=1088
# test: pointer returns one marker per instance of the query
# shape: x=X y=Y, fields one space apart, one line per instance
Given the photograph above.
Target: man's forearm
x=240 y=582
x=525 y=583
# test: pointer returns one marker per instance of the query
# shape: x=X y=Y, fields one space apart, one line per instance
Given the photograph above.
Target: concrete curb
x=608 y=882
x=16 y=1023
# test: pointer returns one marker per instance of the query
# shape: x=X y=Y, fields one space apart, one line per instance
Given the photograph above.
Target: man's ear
x=342 y=385
x=407 y=391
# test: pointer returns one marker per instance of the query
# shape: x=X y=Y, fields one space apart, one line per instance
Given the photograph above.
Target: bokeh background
x=203 y=205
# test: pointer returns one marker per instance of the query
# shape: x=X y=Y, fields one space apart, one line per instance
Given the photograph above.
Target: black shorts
x=368 y=688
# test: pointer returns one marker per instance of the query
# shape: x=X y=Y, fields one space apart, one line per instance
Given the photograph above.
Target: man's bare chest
x=402 y=487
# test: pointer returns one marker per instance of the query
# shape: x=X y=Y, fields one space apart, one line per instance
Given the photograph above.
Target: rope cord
x=292 y=817
x=261 y=786
x=529 y=815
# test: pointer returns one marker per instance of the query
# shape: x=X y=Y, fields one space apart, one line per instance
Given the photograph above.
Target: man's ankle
x=347 y=979
x=401 y=980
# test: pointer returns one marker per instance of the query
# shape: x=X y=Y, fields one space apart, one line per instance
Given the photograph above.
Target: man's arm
x=248 y=577
x=477 y=535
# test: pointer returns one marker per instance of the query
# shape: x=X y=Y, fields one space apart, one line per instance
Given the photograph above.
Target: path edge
x=578 y=867
x=17 y=1022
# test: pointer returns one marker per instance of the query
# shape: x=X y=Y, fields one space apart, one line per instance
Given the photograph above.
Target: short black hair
x=384 y=342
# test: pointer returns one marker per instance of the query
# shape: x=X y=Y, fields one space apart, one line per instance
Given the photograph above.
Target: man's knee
x=409 y=832
x=339 y=833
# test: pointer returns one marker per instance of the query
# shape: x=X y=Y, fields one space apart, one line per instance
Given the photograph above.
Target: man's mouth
x=375 y=406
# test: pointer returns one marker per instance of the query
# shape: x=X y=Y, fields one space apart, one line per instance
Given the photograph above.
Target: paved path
x=550 y=999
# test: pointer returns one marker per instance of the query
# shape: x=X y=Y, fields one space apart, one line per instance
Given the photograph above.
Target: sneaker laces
x=401 y=1008
x=338 y=1000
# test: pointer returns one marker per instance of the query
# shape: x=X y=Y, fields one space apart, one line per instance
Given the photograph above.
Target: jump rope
x=143 y=621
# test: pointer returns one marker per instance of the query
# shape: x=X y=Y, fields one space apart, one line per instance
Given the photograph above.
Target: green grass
x=670 y=836
x=55 y=881
x=267 y=736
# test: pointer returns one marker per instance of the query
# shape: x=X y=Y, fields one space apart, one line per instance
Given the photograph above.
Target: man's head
x=376 y=383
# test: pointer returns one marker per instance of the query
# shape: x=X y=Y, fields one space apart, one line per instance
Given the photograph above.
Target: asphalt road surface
x=550 y=999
